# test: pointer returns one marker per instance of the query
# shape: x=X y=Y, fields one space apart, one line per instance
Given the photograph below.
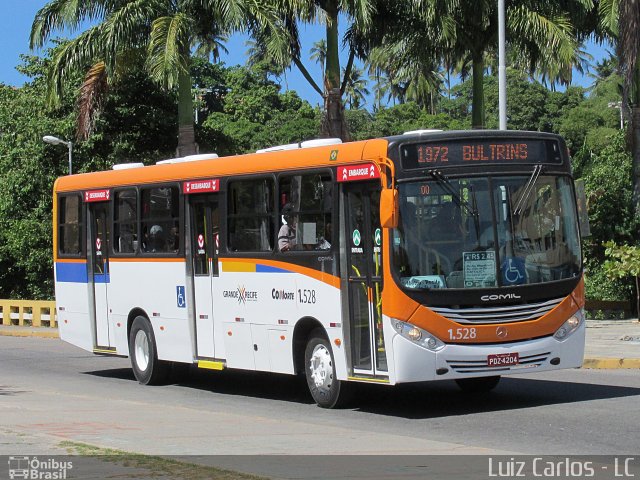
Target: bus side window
x=160 y=219
x=125 y=221
x=70 y=227
x=250 y=219
x=309 y=200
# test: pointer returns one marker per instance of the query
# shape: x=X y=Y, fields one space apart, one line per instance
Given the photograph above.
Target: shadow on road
x=443 y=399
x=7 y=391
x=413 y=401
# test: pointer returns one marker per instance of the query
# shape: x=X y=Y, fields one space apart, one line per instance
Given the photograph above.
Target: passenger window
x=251 y=215
x=125 y=222
x=305 y=212
x=70 y=225
x=160 y=220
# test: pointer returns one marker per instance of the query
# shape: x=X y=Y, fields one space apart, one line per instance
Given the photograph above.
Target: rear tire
x=320 y=371
x=479 y=384
x=143 y=352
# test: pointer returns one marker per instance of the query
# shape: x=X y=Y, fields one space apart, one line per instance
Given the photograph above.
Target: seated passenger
x=287 y=233
x=156 y=239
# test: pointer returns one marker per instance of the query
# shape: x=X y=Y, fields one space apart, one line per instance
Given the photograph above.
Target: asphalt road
x=51 y=392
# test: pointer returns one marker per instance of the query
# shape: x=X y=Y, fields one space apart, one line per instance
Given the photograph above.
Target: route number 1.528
x=462 y=333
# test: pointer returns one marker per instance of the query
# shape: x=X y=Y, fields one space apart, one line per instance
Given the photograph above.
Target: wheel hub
x=142 y=350
x=321 y=367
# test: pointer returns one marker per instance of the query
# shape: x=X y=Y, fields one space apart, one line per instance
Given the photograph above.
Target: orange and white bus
x=425 y=256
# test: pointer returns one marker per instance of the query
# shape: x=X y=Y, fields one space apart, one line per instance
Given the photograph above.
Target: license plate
x=503 y=359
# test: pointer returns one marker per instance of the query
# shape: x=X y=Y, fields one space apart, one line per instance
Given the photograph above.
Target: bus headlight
x=568 y=327
x=418 y=336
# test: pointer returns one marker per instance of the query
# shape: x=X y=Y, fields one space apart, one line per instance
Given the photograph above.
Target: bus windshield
x=481 y=232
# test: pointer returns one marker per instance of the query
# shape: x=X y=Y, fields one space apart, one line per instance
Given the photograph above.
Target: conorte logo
x=500 y=296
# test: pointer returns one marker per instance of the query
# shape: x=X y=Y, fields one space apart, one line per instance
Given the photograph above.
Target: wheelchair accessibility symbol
x=180 y=296
x=513 y=271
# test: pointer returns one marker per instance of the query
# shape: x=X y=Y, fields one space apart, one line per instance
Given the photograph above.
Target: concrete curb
x=610 y=362
x=7 y=331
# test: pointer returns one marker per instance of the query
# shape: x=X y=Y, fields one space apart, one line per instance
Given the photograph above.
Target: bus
x=432 y=255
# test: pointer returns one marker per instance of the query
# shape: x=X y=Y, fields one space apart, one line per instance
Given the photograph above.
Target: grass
x=153 y=466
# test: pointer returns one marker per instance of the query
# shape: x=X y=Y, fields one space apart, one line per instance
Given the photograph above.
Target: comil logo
x=34 y=468
x=501 y=296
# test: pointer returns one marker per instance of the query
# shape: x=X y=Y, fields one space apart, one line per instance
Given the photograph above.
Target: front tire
x=143 y=352
x=479 y=384
x=327 y=391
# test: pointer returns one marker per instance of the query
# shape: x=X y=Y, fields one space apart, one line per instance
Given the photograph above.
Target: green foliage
x=624 y=263
x=251 y=113
x=28 y=169
x=625 y=260
x=609 y=189
x=138 y=123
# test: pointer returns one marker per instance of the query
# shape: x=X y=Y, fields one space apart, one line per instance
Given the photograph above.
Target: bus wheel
x=327 y=391
x=478 y=385
x=144 y=354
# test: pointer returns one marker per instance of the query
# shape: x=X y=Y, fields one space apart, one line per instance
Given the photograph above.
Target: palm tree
x=414 y=77
x=319 y=53
x=356 y=89
x=327 y=12
x=163 y=31
x=547 y=33
x=620 y=22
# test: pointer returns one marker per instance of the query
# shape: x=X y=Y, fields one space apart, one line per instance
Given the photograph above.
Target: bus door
x=205 y=234
x=99 y=262
x=364 y=264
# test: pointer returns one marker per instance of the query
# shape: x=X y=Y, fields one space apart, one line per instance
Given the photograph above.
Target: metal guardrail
x=28 y=313
x=609 y=306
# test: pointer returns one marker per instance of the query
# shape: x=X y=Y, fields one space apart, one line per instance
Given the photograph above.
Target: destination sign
x=201 y=186
x=364 y=171
x=97 y=195
x=478 y=152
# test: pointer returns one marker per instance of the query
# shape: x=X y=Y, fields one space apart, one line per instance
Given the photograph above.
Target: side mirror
x=389 y=210
x=583 y=214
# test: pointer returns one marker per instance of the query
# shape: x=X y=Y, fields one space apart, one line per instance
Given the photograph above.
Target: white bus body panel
x=151 y=286
x=255 y=310
x=72 y=304
x=204 y=314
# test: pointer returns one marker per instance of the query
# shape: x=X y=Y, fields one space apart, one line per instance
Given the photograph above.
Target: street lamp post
x=56 y=141
x=502 y=71
x=618 y=105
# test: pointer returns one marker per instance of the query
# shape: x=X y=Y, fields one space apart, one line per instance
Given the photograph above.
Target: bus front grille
x=482 y=366
x=511 y=313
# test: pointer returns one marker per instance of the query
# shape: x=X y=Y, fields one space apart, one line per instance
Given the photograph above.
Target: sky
x=16 y=17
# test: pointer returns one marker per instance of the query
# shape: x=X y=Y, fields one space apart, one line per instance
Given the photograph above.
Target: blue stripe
x=71 y=272
x=268 y=269
x=77 y=273
x=101 y=278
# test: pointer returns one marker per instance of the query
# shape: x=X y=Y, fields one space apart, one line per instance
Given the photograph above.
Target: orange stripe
x=370 y=150
x=327 y=278
x=71 y=260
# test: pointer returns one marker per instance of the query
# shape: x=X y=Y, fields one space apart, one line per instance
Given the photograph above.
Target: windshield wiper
x=446 y=185
x=527 y=190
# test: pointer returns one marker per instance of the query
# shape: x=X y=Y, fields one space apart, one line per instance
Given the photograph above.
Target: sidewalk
x=610 y=343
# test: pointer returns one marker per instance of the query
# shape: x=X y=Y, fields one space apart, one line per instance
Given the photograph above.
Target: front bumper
x=413 y=363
